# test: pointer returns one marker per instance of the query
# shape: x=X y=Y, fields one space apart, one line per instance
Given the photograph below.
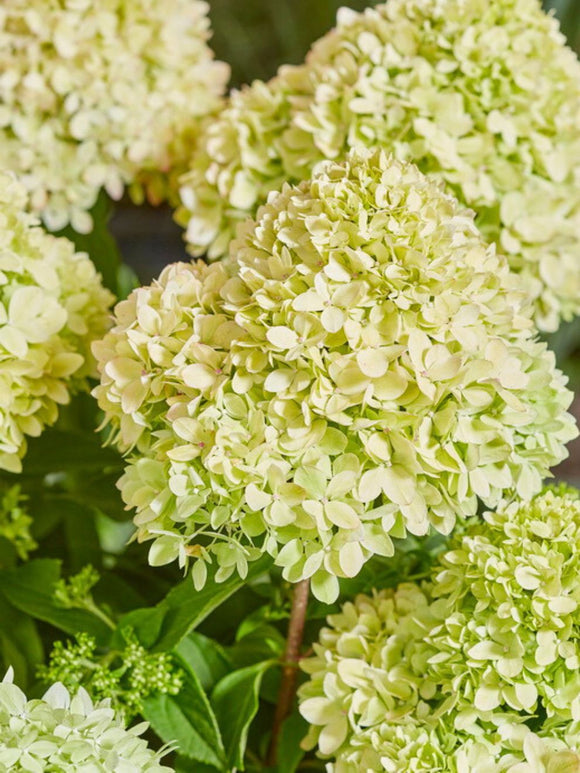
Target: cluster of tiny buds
x=126 y=677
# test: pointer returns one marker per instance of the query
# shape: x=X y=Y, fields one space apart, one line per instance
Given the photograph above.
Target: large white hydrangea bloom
x=68 y=734
x=475 y=671
x=101 y=95
x=367 y=370
x=52 y=306
x=482 y=95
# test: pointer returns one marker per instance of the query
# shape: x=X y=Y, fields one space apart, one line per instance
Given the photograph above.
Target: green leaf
x=236 y=700
x=81 y=534
x=183 y=765
x=293 y=731
x=186 y=608
x=205 y=657
x=99 y=490
x=30 y=588
x=116 y=593
x=58 y=451
x=20 y=644
x=187 y=720
x=100 y=243
x=127 y=281
x=263 y=642
x=8 y=554
x=145 y=623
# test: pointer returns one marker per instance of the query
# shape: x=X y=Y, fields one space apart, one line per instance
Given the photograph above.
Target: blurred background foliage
x=257 y=36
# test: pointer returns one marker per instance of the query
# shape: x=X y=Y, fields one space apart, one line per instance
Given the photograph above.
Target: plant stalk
x=290 y=666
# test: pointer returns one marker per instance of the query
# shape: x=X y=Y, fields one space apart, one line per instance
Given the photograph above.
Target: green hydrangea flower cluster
x=484 y=96
x=363 y=368
x=52 y=306
x=415 y=746
x=508 y=605
x=101 y=95
x=61 y=733
x=15 y=522
x=475 y=671
x=125 y=677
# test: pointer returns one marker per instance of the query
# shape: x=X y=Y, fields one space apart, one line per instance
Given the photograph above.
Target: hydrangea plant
x=362 y=368
x=63 y=733
x=476 y=670
x=97 y=95
x=52 y=306
x=483 y=96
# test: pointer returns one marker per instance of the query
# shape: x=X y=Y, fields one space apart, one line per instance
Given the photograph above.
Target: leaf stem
x=290 y=664
x=91 y=607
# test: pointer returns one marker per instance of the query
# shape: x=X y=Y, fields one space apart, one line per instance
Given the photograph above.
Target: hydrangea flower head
x=52 y=306
x=358 y=676
x=476 y=670
x=415 y=745
x=101 y=95
x=361 y=368
x=508 y=606
x=484 y=96
x=64 y=733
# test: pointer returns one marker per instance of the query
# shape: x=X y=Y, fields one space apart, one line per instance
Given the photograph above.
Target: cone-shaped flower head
x=64 y=733
x=101 y=95
x=52 y=306
x=483 y=95
x=454 y=676
x=367 y=370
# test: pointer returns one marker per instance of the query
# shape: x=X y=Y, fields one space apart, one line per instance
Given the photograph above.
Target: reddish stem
x=290 y=665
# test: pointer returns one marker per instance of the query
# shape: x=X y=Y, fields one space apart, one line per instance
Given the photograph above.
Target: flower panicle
x=363 y=366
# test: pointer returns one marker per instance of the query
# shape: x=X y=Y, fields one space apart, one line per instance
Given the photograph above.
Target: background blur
x=255 y=37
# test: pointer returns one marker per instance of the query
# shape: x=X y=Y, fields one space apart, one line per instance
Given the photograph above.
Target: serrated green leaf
x=236 y=700
x=205 y=657
x=186 y=608
x=187 y=721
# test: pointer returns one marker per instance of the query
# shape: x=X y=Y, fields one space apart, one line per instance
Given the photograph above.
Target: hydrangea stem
x=290 y=665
